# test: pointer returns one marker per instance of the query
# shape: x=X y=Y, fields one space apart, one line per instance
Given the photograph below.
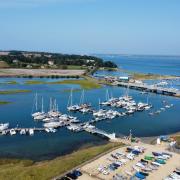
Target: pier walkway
x=101 y=133
x=150 y=88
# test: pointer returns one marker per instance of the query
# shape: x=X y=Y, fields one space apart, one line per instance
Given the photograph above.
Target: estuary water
x=163 y=65
x=49 y=145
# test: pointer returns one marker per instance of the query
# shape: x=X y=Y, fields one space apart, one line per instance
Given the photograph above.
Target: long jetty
x=150 y=88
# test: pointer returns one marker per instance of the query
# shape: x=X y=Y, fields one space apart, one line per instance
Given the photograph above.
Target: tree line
x=58 y=59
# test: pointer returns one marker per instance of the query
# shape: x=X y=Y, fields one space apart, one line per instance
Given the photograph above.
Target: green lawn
x=14 y=91
x=27 y=170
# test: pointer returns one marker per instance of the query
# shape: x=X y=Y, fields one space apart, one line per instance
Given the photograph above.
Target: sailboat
x=4 y=126
x=70 y=105
x=40 y=115
x=85 y=107
x=148 y=106
x=106 y=102
x=53 y=109
x=36 y=106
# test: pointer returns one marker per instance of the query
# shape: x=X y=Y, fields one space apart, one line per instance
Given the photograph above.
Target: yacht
x=22 y=131
x=12 y=132
x=167 y=106
x=47 y=130
x=4 y=126
x=52 y=124
x=52 y=130
x=130 y=111
x=31 y=132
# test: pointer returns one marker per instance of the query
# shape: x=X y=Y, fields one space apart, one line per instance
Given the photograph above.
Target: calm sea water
x=165 y=65
x=46 y=146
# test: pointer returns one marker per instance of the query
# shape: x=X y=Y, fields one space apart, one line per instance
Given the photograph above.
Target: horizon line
x=110 y=54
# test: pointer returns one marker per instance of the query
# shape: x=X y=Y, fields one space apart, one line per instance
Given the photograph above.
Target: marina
x=54 y=119
x=100 y=108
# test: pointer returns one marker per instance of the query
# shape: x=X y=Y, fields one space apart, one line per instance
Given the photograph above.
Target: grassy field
x=75 y=67
x=4 y=102
x=3 y=64
x=14 y=91
x=27 y=170
x=86 y=83
x=34 y=82
x=11 y=82
x=142 y=76
x=139 y=76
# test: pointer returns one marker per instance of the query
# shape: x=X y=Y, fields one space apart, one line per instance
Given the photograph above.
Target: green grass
x=142 y=76
x=72 y=67
x=24 y=169
x=34 y=82
x=12 y=82
x=14 y=91
x=9 y=82
x=4 y=102
x=84 y=83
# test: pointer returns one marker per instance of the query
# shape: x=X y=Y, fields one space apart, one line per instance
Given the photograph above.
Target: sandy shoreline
x=13 y=72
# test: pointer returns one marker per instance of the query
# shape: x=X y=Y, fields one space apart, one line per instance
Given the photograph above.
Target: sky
x=91 y=26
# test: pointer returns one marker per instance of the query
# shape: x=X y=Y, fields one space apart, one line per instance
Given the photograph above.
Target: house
x=51 y=63
x=29 y=66
x=15 y=61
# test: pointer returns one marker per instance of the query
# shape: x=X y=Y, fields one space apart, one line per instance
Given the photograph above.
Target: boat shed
x=124 y=78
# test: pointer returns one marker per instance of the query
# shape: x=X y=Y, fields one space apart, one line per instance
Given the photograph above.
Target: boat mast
x=82 y=97
x=71 y=96
x=107 y=95
x=127 y=93
x=147 y=98
x=50 y=104
x=42 y=108
x=36 y=100
x=99 y=103
x=70 y=99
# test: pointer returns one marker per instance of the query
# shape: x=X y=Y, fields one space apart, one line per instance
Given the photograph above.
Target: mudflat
x=13 y=72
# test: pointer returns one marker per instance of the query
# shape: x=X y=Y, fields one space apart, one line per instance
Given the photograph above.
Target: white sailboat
x=106 y=102
x=31 y=132
x=70 y=105
x=4 y=126
x=84 y=107
x=53 y=109
x=40 y=115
